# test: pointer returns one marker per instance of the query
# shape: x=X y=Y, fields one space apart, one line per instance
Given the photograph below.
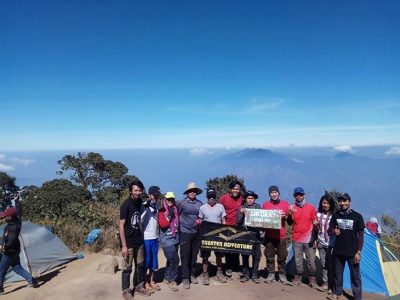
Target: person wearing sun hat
x=168 y=219
x=189 y=242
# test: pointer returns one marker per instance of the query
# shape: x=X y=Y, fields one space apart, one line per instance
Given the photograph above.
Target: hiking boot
x=296 y=280
x=221 y=277
x=173 y=286
x=323 y=288
x=127 y=295
x=330 y=292
x=155 y=286
x=228 y=272
x=193 y=279
x=141 y=290
x=312 y=282
x=245 y=278
x=283 y=280
x=270 y=278
x=186 y=283
x=206 y=278
x=256 y=280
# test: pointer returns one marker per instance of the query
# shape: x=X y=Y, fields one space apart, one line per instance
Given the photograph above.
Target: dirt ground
x=81 y=280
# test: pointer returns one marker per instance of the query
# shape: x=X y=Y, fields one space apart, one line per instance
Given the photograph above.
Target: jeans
x=135 y=255
x=189 y=248
x=151 y=254
x=299 y=248
x=171 y=267
x=355 y=276
x=278 y=247
x=232 y=261
x=256 y=261
x=12 y=260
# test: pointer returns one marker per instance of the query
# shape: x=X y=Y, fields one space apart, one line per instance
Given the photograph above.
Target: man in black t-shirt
x=131 y=234
x=348 y=227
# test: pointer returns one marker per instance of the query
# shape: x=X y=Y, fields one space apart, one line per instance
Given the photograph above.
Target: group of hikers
x=162 y=221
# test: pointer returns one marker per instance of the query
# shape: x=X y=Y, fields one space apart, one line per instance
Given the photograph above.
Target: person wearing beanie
x=275 y=239
x=11 y=249
x=213 y=212
x=250 y=198
x=188 y=209
x=149 y=219
x=232 y=202
x=348 y=227
x=303 y=218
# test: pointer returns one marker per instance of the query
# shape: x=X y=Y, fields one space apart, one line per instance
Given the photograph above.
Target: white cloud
x=4 y=167
x=200 y=151
x=260 y=105
x=393 y=151
x=23 y=161
x=344 y=148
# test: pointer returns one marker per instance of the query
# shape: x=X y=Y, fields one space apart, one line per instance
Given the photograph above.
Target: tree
x=7 y=188
x=93 y=172
x=221 y=184
x=53 y=200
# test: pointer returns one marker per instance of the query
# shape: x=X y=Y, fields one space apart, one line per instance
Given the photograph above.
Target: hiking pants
x=327 y=261
x=189 y=249
x=278 y=247
x=135 y=255
x=171 y=266
x=256 y=257
x=309 y=251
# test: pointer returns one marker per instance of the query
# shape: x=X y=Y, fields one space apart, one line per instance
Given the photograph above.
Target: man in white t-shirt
x=215 y=213
x=150 y=225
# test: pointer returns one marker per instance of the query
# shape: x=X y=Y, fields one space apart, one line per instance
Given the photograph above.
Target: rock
x=108 y=266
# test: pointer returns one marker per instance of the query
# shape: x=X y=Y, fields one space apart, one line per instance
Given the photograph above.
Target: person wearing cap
x=149 y=219
x=232 y=202
x=275 y=239
x=11 y=249
x=303 y=217
x=131 y=235
x=189 y=242
x=213 y=212
x=348 y=227
x=250 y=198
x=168 y=219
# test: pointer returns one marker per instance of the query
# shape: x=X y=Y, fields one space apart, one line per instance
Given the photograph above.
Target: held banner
x=227 y=239
x=263 y=218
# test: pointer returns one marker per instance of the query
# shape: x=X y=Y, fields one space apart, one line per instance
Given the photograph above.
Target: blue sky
x=149 y=74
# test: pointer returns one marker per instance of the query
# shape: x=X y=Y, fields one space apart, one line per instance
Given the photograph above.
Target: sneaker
x=228 y=272
x=127 y=295
x=296 y=280
x=283 y=280
x=330 y=292
x=245 y=278
x=334 y=297
x=33 y=285
x=323 y=288
x=221 y=277
x=155 y=286
x=193 y=280
x=256 y=280
x=206 y=278
x=186 y=283
x=141 y=290
x=270 y=278
x=173 y=286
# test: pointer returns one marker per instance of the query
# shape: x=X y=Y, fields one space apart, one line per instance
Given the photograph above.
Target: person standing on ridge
x=189 y=242
x=275 y=239
x=232 y=201
x=348 y=227
x=303 y=216
x=131 y=234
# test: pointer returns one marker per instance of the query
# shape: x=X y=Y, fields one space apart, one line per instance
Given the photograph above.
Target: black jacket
x=10 y=237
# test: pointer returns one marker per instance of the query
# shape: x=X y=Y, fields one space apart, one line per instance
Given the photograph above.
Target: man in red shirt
x=275 y=239
x=303 y=216
x=232 y=202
